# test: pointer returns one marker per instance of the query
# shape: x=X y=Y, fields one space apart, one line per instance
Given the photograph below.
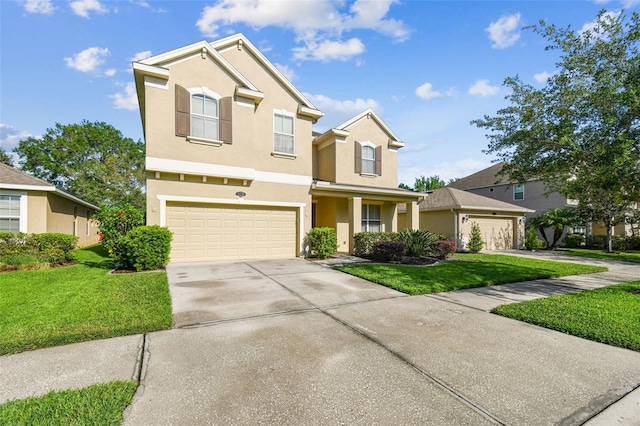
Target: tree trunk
x=609 y=237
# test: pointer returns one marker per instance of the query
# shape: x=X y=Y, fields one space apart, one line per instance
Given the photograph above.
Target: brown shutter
x=226 y=105
x=183 y=111
x=358 y=156
x=379 y=160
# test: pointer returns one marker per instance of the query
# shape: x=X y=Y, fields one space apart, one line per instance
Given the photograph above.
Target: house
x=234 y=169
x=532 y=195
x=31 y=205
x=451 y=212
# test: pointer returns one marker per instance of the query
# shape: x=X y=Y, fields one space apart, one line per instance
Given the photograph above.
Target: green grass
x=625 y=256
x=609 y=315
x=464 y=271
x=78 y=303
x=101 y=404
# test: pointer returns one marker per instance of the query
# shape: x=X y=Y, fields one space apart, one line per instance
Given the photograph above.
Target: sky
x=426 y=67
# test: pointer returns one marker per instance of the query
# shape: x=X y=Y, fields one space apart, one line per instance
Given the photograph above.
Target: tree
x=423 y=184
x=580 y=134
x=90 y=160
x=5 y=158
x=476 y=242
x=558 y=220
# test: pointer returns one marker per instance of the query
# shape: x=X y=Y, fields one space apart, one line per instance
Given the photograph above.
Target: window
x=371 y=218
x=368 y=160
x=204 y=116
x=10 y=213
x=283 y=140
x=518 y=192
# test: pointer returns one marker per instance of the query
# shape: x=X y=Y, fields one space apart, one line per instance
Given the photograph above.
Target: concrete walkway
x=293 y=342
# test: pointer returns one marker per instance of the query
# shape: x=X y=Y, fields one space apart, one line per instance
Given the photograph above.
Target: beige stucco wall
x=620 y=229
x=326 y=163
x=68 y=217
x=439 y=222
x=37 y=208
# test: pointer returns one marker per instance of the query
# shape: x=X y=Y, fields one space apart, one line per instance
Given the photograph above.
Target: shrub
x=417 y=241
x=143 y=248
x=363 y=241
x=33 y=251
x=387 y=251
x=633 y=242
x=475 y=238
x=115 y=222
x=323 y=241
x=596 y=241
x=50 y=242
x=532 y=242
x=442 y=249
x=573 y=240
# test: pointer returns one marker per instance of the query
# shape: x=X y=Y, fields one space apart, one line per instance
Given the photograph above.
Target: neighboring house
x=31 y=205
x=234 y=169
x=451 y=212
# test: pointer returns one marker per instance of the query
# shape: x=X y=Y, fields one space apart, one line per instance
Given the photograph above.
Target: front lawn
x=77 y=303
x=624 y=256
x=101 y=404
x=609 y=315
x=464 y=271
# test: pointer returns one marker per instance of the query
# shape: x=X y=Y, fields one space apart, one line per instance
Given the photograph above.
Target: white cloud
x=337 y=112
x=83 y=7
x=329 y=50
x=505 y=31
x=318 y=25
x=628 y=4
x=89 y=60
x=447 y=170
x=426 y=92
x=110 y=72
x=128 y=99
x=483 y=88
x=542 y=77
x=10 y=137
x=286 y=71
x=139 y=56
x=44 y=7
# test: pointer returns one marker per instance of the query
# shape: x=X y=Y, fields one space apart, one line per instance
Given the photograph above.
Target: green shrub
x=363 y=241
x=442 y=249
x=387 y=251
x=532 y=242
x=115 y=222
x=475 y=243
x=573 y=240
x=31 y=251
x=143 y=248
x=323 y=241
x=596 y=241
x=633 y=242
x=417 y=241
x=50 y=242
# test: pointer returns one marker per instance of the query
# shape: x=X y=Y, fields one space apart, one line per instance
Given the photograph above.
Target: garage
x=227 y=232
x=497 y=232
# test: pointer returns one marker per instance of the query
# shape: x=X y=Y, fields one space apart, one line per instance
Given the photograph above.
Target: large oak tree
x=93 y=161
x=580 y=133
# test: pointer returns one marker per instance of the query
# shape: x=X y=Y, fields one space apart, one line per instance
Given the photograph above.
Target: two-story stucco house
x=234 y=169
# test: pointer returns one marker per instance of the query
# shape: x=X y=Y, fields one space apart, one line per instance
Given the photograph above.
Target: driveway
x=292 y=342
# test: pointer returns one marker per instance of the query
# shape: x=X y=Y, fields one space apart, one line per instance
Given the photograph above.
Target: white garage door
x=497 y=233
x=219 y=232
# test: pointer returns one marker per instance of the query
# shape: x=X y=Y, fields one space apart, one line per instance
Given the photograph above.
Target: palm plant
x=557 y=219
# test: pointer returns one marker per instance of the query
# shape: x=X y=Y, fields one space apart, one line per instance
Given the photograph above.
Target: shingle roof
x=13 y=176
x=481 y=179
x=451 y=198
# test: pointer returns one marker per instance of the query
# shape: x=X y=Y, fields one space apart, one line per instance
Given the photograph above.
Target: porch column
x=355 y=219
x=413 y=215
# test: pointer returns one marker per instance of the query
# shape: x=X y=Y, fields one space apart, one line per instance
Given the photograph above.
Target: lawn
x=101 y=404
x=78 y=303
x=624 y=256
x=464 y=271
x=609 y=315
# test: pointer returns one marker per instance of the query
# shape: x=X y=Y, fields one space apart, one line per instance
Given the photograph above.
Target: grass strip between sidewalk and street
x=81 y=302
x=100 y=404
x=609 y=315
x=464 y=271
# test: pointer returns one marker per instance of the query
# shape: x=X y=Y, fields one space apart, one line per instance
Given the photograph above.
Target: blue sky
x=427 y=67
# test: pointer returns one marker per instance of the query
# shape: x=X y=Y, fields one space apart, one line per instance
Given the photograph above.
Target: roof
x=448 y=198
x=394 y=140
x=12 y=178
x=319 y=187
x=484 y=178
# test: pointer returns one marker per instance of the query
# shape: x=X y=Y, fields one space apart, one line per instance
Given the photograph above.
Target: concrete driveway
x=290 y=342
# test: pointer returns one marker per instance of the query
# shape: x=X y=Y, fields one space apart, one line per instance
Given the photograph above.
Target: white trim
x=47 y=188
x=163 y=212
x=369 y=144
x=23 y=218
x=291 y=115
x=202 y=141
x=370 y=113
x=284 y=178
x=155 y=82
x=284 y=155
x=151 y=69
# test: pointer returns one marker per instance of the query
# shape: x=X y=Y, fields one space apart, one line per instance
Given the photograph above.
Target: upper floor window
x=203 y=116
x=368 y=158
x=518 y=192
x=283 y=137
x=10 y=213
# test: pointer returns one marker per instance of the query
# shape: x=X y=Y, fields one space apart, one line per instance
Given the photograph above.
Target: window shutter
x=183 y=111
x=358 y=156
x=226 y=105
x=379 y=160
